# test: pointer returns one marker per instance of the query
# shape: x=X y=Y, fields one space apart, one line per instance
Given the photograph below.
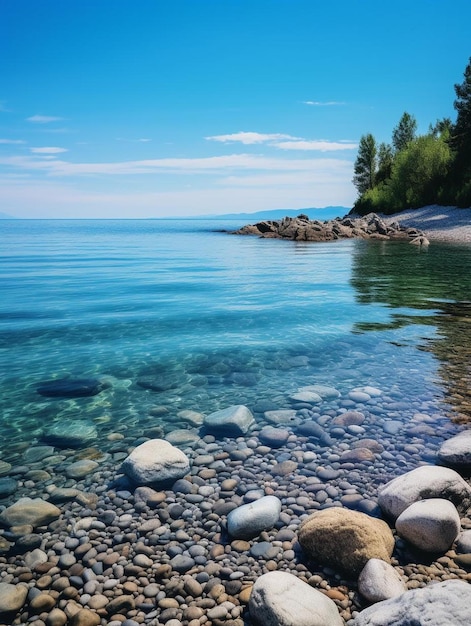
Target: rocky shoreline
x=301 y=228
x=238 y=517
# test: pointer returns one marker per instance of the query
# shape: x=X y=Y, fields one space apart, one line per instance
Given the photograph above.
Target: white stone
x=373 y=392
x=35 y=557
x=427 y=481
x=324 y=391
x=12 y=597
x=359 y=396
x=457 y=450
x=431 y=525
x=379 y=581
x=248 y=521
x=237 y=419
x=440 y=604
x=281 y=599
x=281 y=416
x=155 y=461
x=310 y=397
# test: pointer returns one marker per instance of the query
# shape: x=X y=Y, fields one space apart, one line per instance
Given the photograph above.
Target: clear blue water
x=222 y=319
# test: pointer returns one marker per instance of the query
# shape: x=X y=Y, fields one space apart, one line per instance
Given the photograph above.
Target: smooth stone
x=310 y=397
x=158 y=383
x=233 y=419
x=463 y=543
x=359 y=396
x=457 y=450
x=71 y=388
x=35 y=557
x=324 y=391
x=5 y=468
x=182 y=437
x=84 y=617
x=373 y=392
x=273 y=437
x=7 y=487
x=379 y=581
x=349 y=418
x=345 y=539
x=281 y=416
x=357 y=455
x=37 y=453
x=12 y=597
x=82 y=468
x=426 y=481
x=249 y=520
x=181 y=563
x=28 y=511
x=431 y=525
x=281 y=599
x=155 y=461
x=193 y=417
x=70 y=434
x=438 y=604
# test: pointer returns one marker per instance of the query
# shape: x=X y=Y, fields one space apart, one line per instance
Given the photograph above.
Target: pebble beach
x=96 y=542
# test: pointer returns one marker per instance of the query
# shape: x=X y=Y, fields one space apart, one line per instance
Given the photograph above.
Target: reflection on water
x=430 y=288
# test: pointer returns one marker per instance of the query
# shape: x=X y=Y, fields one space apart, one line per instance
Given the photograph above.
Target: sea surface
x=181 y=316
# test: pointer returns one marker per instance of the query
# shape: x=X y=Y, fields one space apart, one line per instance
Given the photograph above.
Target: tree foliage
x=365 y=164
x=404 y=132
x=414 y=171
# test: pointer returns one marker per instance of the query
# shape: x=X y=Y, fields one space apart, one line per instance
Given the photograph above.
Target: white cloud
x=12 y=141
x=319 y=145
x=210 y=165
x=249 y=138
x=330 y=103
x=48 y=150
x=43 y=119
x=141 y=140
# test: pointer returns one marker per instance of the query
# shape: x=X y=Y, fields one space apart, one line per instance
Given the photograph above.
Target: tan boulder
x=345 y=539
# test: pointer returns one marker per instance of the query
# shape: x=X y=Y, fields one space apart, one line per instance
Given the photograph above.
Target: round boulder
x=379 y=581
x=345 y=539
x=248 y=521
x=281 y=599
x=155 y=461
x=431 y=525
x=427 y=481
x=12 y=597
x=439 y=604
x=457 y=450
x=29 y=511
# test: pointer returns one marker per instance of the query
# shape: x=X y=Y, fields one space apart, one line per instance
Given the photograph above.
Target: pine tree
x=404 y=132
x=365 y=164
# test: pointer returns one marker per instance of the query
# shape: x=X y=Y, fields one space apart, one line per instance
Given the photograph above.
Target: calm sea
x=219 y=320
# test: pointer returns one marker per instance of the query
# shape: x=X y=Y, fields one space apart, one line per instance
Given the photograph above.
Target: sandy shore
x=439 y=223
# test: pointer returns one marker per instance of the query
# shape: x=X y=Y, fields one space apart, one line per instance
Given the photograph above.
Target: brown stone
x=42 y=602
x=121 y=604
x=244 y=595
x=345 y=539
x=84 y=617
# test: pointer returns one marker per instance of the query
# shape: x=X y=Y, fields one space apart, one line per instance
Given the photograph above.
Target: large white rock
x=248 y=521
x=281 y=599
x=380 y=581
x=427 y=481
x=431 y=525
x=155 y=461
x=440 y=604
x=457 y=450
x=235 y=419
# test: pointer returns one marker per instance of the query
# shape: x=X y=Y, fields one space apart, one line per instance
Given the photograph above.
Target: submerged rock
x=70 y=433
x=457 y=450
x=439 y=604
x=34 y=512
x=72 y=388
x=235 y=419
x=281 y=599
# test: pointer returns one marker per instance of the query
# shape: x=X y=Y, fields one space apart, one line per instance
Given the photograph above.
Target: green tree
x=460 y=179
x=404 y=132
x=419 y=171
x=385 y=162
x=365 y=164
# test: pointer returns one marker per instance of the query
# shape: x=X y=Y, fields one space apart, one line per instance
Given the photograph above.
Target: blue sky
x=165 y=108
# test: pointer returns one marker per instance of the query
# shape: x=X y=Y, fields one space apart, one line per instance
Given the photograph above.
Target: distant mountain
x=327 y=213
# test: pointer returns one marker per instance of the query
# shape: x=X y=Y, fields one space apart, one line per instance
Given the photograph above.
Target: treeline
x=418 y=170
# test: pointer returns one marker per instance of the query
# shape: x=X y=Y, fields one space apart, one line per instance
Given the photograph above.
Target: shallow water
x=219 y=320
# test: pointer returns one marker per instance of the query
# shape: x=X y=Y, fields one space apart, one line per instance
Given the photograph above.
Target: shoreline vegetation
x=418 y=170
